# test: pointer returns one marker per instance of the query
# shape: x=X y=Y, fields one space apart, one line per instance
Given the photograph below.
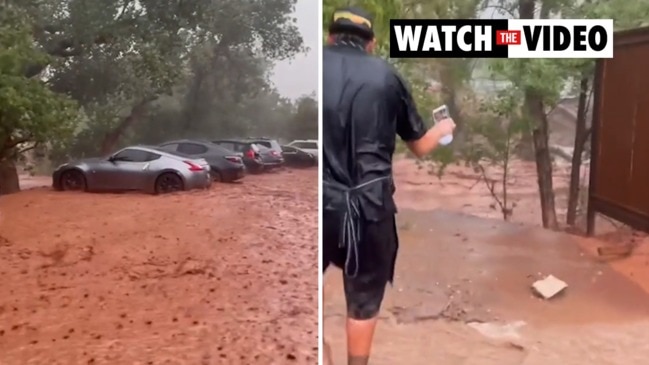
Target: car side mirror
x=112 y=158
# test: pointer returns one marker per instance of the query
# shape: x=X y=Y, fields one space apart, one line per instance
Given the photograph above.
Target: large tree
x=30 y=113
x=148 y=47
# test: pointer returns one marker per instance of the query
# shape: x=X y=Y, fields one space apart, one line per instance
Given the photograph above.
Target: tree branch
x=506 y=211
x=491 y=185
x=502 y=9
x=123 y=11
x=136 y=113
x=11 y=143
x=68 y=47
x=29 y=148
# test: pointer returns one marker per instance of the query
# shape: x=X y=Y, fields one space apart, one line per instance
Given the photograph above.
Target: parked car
x=307 y=145
x=296 y=157
x=270 y=158
x=271 y=144
x=225 y=165
x=251 y=154
x=137 y=168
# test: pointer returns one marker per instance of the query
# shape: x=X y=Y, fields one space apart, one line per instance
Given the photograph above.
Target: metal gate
x=619 y=171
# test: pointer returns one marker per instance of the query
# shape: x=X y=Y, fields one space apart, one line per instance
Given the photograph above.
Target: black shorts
x=377 y=253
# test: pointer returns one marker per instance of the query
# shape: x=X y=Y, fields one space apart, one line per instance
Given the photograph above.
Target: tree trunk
x=191 y=112
x=525 y=147
x=9 y=182
x=112 y=138
x=581 y=134
x=535 y=110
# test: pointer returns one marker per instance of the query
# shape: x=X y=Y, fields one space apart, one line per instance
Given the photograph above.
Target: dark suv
x=226 y=165
x=252 y=155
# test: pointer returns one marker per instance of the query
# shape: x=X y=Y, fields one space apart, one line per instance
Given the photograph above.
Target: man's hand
x=430 y=140
x=444 y=127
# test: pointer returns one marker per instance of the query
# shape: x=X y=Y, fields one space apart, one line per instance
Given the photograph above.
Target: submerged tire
x=168 y=182
x=73 y=180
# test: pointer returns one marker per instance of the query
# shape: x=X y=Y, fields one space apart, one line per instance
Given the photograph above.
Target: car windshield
x=307 y=145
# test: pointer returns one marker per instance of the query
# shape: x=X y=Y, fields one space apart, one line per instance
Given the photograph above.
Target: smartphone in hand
x=441 y=113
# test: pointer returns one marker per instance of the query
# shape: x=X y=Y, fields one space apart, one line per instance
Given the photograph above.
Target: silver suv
x=307 y=145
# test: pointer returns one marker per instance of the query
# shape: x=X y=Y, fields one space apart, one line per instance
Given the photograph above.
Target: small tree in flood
x=493 y=137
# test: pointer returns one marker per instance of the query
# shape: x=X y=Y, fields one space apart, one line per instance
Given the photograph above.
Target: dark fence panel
x=619 y=171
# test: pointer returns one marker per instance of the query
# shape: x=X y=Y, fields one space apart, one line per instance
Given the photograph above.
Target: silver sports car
x=134 y=168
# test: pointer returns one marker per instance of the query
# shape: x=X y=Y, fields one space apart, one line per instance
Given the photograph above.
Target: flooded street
x=225 y=276
x=462 y=291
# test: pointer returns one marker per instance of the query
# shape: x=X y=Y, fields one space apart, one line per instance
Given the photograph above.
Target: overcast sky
x=300 y=76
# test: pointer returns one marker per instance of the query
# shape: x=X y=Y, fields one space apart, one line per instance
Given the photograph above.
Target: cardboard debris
x=549 y=287
x=498 y=330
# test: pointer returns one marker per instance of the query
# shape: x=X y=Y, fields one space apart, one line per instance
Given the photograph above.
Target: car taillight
x=234 y=159
x=194 y=167
x=250 y=154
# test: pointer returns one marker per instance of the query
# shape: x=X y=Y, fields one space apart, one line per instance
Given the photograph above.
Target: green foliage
x=497 y=128
x=30 y=113
x=304 y=123
x=199 y=67
x=443 y=156
x=545 y=76
x=550 y=78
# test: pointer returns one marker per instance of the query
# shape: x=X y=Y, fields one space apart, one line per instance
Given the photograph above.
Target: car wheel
x=73 y=180
x=168 y=183
x=217 y=176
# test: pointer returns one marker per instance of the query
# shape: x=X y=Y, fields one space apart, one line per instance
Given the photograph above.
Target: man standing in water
x=365 y=105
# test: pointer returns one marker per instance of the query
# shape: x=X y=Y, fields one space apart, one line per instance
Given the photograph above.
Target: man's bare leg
x=326 y=351
x=365 y=291
x=328 y=358
x=360 y=334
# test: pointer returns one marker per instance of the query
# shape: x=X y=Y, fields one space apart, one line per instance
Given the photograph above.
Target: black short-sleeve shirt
x=366 y=104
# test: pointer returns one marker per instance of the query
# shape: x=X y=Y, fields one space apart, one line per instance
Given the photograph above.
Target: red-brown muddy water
x=225 y=276
x=462 y=292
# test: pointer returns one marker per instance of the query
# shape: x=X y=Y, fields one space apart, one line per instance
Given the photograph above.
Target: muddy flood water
x=225 y=276
x=462 y=291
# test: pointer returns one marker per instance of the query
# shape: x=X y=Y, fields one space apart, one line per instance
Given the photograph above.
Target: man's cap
x=352 y=20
